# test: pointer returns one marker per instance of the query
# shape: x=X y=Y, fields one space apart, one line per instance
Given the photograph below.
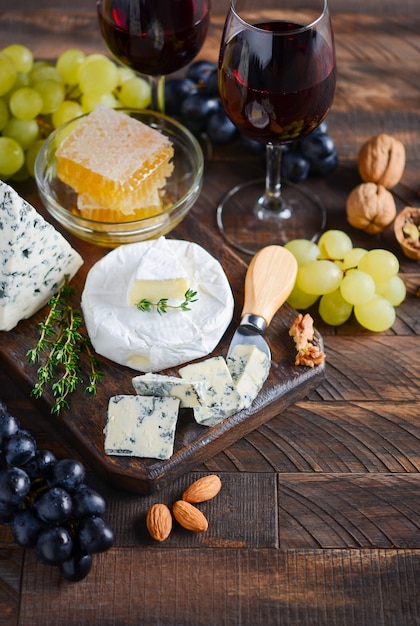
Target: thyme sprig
x=162 y=305
x=59 y=347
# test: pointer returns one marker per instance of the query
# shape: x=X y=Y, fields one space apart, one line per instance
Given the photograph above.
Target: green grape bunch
x=343 y=280
x=38 y=96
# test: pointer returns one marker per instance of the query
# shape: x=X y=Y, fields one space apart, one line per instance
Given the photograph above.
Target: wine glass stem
x=272 y=199
x=157 y=85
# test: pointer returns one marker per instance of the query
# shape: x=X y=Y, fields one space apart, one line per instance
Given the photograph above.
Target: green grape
x=352 y=257
x=124 y=74
x=334 y=309
x=303 y=250
x=67 y=111
x=393 y=290
x=357 y=287
x=7 y=73
x=25 y=103
x=25 y=132
x=45 y=71
x=319 y=277
x=68 y=64
x=4 y=113
x=334 y=244
x=91 y=100
x=31 y=155
x=135 y=93
x=99 y=75
x=376 y=315
x=12 y=156
x=52 y=94
x=380 y=264
x=21 y=56
x=300 y=300
x=21 y=174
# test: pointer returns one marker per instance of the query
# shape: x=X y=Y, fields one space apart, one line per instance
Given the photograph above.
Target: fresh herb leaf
x=162 y=305
x=59 y=347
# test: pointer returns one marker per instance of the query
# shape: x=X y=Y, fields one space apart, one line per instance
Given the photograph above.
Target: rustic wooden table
x=318 y=520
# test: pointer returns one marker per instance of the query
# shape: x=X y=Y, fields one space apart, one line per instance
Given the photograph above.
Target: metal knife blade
x=269 y=280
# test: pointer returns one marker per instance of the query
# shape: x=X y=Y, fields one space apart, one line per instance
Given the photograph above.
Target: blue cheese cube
x=34 y=259
x=222 y=397
x=249 y=368
x=141 y=426
x=190 y=393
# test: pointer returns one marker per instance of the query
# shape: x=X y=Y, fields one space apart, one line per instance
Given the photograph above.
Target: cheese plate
x=83 y=422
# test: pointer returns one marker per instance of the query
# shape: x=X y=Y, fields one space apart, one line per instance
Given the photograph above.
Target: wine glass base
x=248 y=227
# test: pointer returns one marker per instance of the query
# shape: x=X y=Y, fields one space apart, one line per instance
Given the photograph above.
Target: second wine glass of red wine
x=277 y=81
x=154 y=37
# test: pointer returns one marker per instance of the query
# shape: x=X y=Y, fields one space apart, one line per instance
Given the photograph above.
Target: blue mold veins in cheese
x=35 y=259
x=190 y=393
x=142 y=426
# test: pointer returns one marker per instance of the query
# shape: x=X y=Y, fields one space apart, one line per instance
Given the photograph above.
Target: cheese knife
x=269 y=281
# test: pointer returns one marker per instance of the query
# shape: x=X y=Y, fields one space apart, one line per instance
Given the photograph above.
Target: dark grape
x=86 y=502
x=316 y=146
x=176 y=90
x=54 y=545
x=196 y=109
x=325 y=166
x=94 y=535
x=76 y=567
x=14 y=487
x=47 y=503
x=9 y=425
x=67 y=473
x=199 y=71
x=41 y=465
x=25 y=527
x=294 y=166
x=211 y=86
x=20 y=448
x=220 y=129
x=54 y=506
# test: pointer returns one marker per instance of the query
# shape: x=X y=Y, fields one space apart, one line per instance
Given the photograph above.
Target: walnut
x=381 y=160
x=302 y=331
x=371 y=208
x=407 y=231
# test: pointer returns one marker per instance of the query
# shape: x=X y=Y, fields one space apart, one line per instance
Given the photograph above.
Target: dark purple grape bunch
x=47 y=503
x=194 y=101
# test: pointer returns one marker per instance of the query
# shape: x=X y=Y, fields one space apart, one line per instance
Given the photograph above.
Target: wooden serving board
x=82 y=424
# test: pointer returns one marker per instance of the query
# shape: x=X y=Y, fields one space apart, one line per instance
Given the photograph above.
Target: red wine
x=277 y=88
x=154 y=37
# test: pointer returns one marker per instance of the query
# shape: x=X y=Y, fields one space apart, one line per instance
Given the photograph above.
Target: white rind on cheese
x=35 y=259
x=190 y=393
x=158 y=275
x=147 y=341
x=222 y=397
x=141 y=426
x=249 y=368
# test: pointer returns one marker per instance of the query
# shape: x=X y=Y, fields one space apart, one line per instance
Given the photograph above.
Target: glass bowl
x=181 y=190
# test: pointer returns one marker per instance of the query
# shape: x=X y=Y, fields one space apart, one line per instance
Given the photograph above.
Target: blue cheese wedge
x=159 y=274
x=34 y=259
x=222 y=397
x=145 y=340
x=249 y=368
x=190 y=393
x=141 y=426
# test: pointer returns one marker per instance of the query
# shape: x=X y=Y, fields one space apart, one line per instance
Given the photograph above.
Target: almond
x=159 y=522
x=189 y=516
x=203 y=489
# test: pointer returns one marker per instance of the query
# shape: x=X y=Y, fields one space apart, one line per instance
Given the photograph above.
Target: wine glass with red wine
x=154 y=37
x=276 y=81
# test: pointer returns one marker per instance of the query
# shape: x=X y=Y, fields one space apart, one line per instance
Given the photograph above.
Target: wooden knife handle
x=269 y=280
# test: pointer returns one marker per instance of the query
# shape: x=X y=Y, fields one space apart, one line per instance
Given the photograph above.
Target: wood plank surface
x=318 y=519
